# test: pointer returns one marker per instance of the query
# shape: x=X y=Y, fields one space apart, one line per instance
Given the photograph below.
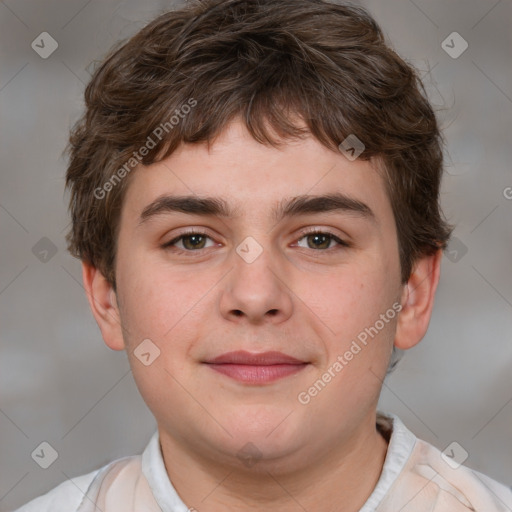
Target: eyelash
x=168 y=245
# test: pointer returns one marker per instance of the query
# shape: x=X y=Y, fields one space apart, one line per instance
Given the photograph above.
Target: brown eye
x=190 y=242
x=193 y=241
x=318 y=241
x=321 y=240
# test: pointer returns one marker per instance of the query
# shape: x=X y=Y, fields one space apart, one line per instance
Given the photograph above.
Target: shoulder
x=457 y=482
x=80 y=494
x=418 y=477
x=77 y=494
x=66 y=497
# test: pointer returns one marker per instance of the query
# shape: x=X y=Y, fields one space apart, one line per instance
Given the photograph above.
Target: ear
x=103 y=302
x=417 y=301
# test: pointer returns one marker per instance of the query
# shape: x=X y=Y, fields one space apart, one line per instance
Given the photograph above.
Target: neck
x=339 y=481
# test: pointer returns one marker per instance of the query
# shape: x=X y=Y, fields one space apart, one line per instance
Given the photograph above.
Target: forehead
x=250 y=178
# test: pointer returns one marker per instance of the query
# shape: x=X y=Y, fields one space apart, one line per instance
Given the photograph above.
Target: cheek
x=357 y=352
x=163 y=304
x=163 y=309
x=350 y=299
x=358 y=323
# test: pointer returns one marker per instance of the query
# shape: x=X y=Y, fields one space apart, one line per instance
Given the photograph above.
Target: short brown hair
x=266 y=62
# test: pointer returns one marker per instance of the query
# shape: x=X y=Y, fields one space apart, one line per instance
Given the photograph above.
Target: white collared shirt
x=416 y=477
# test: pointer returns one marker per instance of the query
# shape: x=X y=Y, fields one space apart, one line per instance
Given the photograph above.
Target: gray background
x=59 y=383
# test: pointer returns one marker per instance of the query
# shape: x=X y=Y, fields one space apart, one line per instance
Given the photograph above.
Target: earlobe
x=103 y=303
x=418 y=301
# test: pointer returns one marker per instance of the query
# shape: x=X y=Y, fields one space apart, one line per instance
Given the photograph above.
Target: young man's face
x=258 y=282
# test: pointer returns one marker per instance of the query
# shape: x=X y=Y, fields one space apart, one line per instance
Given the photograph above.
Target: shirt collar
x=400 y=447
x=154 y=470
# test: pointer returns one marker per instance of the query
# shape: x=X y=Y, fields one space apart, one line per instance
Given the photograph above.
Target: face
x=306 y=279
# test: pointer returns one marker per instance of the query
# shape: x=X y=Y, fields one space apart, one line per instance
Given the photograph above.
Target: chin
x=273 y=434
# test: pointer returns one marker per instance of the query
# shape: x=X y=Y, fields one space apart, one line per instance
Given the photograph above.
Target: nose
x=257 y=291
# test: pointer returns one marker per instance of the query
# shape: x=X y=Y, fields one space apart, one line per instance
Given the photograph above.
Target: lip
x=255 y=359
x=257 y=368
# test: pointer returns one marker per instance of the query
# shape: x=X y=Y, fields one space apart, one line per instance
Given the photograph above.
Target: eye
x=193 y=241
x=190 y=241
x=318 y=239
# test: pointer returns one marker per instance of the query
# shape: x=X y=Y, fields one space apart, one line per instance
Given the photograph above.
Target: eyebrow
x=288 y=207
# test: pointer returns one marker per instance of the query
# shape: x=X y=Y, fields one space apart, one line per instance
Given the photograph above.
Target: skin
x=304 y=301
